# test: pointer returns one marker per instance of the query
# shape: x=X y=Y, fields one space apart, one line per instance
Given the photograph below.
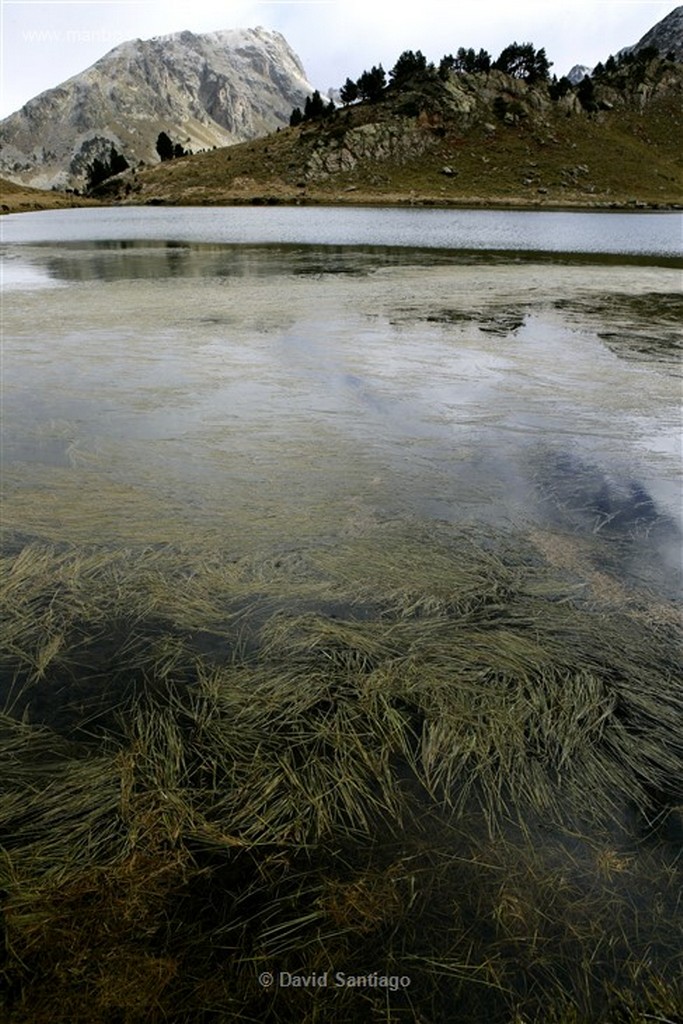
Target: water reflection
x=268 y=385
x=638 y=538
x=19 y=274
x=140 y=259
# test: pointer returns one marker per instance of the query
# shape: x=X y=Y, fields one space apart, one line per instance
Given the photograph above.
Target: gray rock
x=666 y=36
x=207 y=90
x=398 y=141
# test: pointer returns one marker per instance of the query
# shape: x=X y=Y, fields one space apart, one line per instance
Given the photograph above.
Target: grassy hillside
x=470 y=139
x=485 y=139
x=21 y=198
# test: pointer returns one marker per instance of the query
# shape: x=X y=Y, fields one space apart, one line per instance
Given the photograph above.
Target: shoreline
x=25 y=204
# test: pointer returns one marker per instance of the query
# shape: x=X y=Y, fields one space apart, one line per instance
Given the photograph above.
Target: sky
x=44 y=42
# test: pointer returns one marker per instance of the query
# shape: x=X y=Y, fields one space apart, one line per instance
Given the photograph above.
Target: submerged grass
x=417 y=754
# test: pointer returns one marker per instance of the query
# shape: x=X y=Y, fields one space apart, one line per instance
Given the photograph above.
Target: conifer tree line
x=519 y=60
x=314 y=108
x=628 y=62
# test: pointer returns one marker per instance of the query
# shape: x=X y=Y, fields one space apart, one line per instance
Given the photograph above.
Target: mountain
x=666 y=36
x=578 y=73
x=207 y=90
x=445 y=136
x=463 y=139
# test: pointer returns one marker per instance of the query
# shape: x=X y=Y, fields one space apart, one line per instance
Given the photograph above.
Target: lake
x=650 y=234
x=273 y=367
x=341 y=597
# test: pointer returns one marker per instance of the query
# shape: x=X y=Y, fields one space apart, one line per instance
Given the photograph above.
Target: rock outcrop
x=408 y=125
x=202 y=90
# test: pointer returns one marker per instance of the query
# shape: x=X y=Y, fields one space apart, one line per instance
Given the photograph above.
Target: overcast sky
x=46 y=41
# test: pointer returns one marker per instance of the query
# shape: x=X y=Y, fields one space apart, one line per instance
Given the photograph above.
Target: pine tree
x=409 y=65
x=164 y=147
x=99 y=170
x=521 y=60
x=348 y=92
x=446 y=65
x=371 y=84
x=586 y=93
x=471 y=62
x=314 y=107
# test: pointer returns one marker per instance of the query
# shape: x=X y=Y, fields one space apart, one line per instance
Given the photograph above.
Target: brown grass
x=15 y=198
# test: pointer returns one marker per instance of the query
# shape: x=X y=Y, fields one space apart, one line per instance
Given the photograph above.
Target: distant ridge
x=666 y=36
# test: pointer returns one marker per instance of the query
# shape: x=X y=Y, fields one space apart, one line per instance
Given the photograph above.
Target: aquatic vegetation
x=642 y=327
x=420 y=752
x=272 y=703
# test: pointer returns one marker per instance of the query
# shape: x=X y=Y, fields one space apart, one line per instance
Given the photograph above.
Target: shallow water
x=273 y=394
x=444 y=478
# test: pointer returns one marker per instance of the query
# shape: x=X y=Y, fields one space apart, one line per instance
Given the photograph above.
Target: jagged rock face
x=202 y=90
x=399 y=141
x=666 y=35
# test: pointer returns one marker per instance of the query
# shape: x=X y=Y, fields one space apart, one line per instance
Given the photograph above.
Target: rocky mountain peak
x=578 y=73
x=203 y=90
x=666 y=36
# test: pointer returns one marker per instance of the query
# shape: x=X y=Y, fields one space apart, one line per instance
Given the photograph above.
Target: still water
x=272 y=376
x=654 y=234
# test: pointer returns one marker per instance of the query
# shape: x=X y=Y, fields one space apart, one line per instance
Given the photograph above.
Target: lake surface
x=653 y=234
x=225 y=369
